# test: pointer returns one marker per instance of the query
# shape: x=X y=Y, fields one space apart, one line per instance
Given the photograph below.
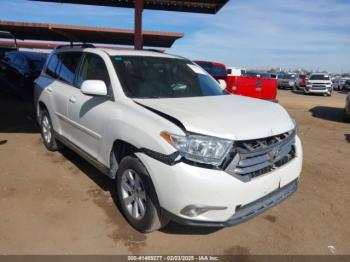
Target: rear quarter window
x=52 y=66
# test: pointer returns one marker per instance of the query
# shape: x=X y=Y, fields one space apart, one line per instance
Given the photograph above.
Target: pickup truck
x=239 y=82
x=252 y=85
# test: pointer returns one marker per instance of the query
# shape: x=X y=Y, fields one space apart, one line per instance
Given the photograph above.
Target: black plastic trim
x=93 y=161
x=166 y=159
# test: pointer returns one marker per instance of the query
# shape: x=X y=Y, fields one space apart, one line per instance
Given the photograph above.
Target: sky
x=259 y=34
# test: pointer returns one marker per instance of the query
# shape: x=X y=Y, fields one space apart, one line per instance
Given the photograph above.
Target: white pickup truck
x=319 y=83
x=177 y=146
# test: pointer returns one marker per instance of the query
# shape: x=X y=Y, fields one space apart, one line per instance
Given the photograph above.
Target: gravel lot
x=56 y=203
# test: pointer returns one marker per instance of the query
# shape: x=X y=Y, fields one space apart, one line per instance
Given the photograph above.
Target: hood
x=228 y=116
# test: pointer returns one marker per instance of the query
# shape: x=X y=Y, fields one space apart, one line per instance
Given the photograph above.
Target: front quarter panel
x=139 y=127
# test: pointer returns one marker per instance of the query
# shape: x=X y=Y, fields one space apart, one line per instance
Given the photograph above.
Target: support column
x=138 y=39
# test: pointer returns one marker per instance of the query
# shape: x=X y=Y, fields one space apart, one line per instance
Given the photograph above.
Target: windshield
x=158 y=77
x=319 y=77
x=290 y=77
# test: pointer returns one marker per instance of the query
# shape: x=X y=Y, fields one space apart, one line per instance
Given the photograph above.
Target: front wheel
x=137 y=197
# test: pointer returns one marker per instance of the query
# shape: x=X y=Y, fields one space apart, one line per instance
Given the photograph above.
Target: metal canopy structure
x=68 y=33
x=22 y=44
x=193 y=6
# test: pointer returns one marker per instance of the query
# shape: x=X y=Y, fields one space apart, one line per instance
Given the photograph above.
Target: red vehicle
x=216 y=70
x=302 y=80
x=240 y=82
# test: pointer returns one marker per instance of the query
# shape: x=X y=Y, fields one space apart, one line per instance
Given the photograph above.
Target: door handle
x=49 y=89
x=72 y=99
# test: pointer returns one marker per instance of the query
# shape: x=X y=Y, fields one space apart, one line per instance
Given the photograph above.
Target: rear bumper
x=244 y=213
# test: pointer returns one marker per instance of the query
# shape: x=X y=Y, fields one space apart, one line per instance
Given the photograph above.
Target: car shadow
x=345 y=92
x=17 y=116
x=347 y=137
x=334 y=114
x=297 y=91
x=177 y=229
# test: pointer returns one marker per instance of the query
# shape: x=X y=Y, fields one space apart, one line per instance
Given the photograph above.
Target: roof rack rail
x=154 y=50
x=84 y=45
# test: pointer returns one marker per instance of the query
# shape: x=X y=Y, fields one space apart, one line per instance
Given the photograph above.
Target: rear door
x=89 y=114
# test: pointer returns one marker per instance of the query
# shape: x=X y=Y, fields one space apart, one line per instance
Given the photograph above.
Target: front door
x=89 y=114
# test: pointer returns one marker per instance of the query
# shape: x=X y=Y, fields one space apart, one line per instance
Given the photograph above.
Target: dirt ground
x=56 y=203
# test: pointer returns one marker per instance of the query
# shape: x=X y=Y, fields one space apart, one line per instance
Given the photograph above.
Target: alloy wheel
x=133 y=194
x=47 y=130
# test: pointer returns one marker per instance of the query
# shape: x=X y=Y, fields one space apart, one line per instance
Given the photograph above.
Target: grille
x=318 y=86
x=258 y=157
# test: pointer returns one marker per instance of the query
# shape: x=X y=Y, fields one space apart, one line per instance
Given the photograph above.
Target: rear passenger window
x=93 y=68
x=68 y=65
x=52 y=65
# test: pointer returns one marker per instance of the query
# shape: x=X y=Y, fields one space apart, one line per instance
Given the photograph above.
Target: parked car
x=347 y=108
x=4 y=50
x=268 y=75
x=347 y=84
x=20 y=69
x=216 y=70
x=287 y=81
x=339 y=83
x=252 y=84
x=301 y=82
x=236 y=71
x=177 y=146
x=319 y=83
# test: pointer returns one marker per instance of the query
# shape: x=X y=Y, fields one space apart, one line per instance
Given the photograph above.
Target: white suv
x=178 y=146
x=319 y=83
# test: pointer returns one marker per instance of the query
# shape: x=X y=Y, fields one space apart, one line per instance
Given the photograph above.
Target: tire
x=47 y=132
x=137 y=197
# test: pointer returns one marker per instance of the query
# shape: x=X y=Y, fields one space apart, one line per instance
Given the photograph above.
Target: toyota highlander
x=177 y=146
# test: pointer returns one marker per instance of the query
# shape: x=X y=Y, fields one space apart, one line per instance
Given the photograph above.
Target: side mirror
x=94 y=88
x=222 y=83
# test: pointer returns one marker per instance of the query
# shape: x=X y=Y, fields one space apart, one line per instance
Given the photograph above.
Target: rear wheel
x=47 y=132
x=137 y=197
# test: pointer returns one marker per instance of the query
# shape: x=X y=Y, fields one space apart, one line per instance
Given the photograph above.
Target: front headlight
x=202 y=149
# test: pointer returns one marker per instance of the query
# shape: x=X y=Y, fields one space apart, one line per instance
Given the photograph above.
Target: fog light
x=196 y=210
